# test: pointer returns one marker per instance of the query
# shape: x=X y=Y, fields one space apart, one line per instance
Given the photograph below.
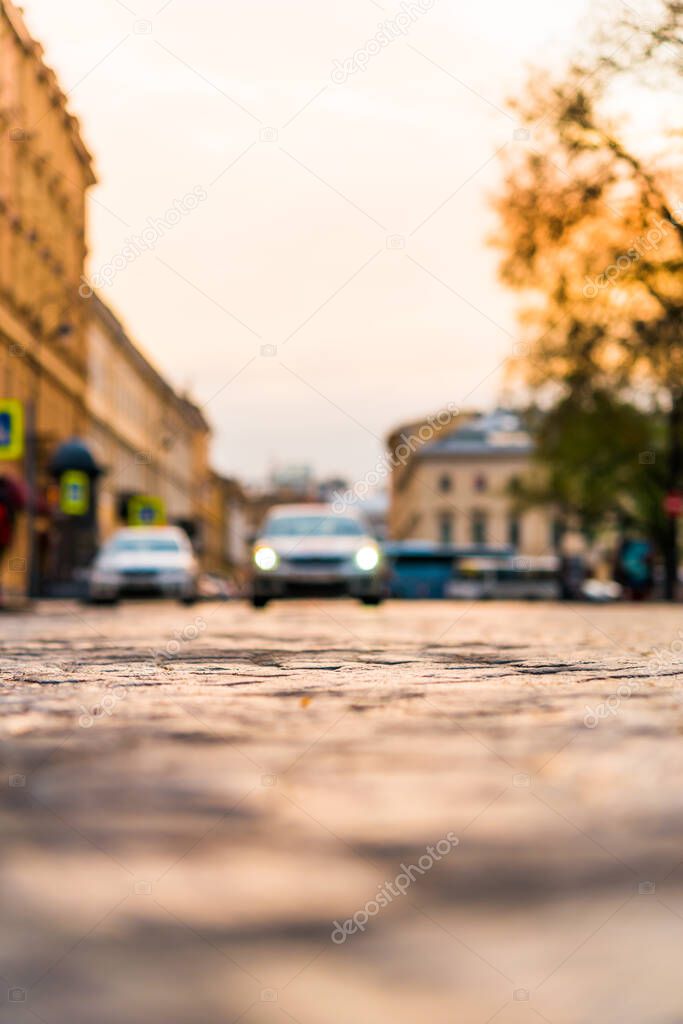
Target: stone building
x=45 y=174
x=227 y=531
x=64 y=355
x=454 y=489
x=148 y=439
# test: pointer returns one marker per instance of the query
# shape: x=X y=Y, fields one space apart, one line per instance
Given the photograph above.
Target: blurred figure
x=635 y=568
x=573 y=557
x=12 y=501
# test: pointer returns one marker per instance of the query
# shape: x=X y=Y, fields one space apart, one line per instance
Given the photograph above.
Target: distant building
x=294 y=479
x=454 y=489
x=149 y=439
x=289 y=485
x=226 y=532
x=406 y=440
x=375 y=510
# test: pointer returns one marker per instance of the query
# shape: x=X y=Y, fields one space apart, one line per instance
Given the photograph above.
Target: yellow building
x=454 y=488
x=148 y=439
x=65 y=357
x=226 y=527
x=45 y=172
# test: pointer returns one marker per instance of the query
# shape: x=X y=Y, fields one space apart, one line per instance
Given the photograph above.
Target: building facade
x=148 y=440
x=455 y=489
x=226 y=538
x=64 y=355
x=45 y=174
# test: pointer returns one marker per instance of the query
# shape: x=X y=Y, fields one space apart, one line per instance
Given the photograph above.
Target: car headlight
x=266 y=559
x=367 y=558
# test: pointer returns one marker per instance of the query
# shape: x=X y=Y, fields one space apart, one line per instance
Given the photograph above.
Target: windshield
x=313 y=526
x=142 y=544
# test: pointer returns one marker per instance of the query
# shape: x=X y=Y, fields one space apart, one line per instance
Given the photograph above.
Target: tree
x=591 y=229
x=586 y=443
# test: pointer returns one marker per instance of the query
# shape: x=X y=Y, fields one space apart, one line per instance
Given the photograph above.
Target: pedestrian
x=635 y=568
x=573 y=571
x=12 y=501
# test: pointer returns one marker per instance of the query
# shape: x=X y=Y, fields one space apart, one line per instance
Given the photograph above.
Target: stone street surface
x=191 y=798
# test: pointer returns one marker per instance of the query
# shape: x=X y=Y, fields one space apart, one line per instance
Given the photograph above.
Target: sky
x=304 y=186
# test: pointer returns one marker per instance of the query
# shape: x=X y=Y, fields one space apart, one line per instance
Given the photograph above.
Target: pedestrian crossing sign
x=11 y=429
x=74 y=492
x=145 y=510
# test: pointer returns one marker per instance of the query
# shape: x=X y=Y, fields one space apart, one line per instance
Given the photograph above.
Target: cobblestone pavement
x=487 y=799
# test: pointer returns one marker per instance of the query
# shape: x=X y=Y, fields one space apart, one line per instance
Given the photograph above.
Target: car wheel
x=259 y=601
x=373 y=601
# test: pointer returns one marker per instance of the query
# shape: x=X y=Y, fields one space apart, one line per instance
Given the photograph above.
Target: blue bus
x=420 y=570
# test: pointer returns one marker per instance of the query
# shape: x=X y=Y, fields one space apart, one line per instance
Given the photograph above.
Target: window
x=514 y=531
x=445 y=483
x=479 y=526
x=480 y=483
x=445 y=528
x=312 y=526
x=141 y=545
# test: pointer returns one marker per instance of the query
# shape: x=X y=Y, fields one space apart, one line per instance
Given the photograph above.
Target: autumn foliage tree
x=591 y=233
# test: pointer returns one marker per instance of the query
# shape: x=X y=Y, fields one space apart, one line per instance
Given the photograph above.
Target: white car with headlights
x=311 y=549
x=145 y=560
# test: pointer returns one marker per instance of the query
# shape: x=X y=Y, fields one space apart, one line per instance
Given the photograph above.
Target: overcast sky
x=338 y=215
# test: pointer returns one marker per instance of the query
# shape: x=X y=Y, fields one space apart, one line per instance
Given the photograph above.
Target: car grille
x=140 y=573
x=317 y=562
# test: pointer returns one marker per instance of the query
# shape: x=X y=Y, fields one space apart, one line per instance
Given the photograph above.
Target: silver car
x=311 y=549
x=145 y=560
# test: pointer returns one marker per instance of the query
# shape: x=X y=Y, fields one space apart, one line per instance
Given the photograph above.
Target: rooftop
x=109 y=319
x=14 y=17
x=500 y=432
